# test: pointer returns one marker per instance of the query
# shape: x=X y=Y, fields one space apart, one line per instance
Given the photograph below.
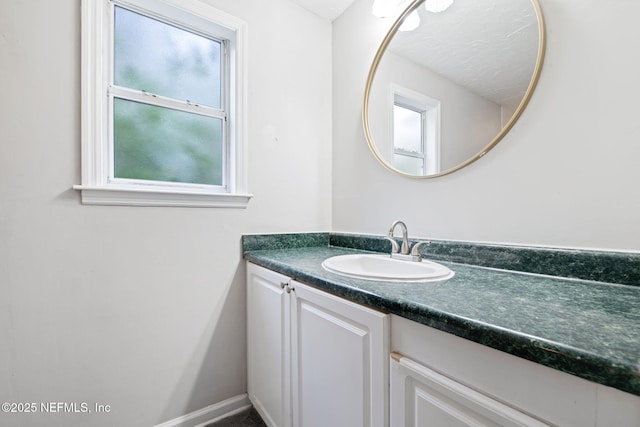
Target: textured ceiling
x=488 y=46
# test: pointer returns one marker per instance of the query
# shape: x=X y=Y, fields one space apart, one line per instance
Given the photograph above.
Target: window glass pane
x=161 y=144
x=407 y=129
x=165 y=60
x=410 y=165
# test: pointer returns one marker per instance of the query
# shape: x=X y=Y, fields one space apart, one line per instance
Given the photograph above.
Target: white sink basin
x=385 y=268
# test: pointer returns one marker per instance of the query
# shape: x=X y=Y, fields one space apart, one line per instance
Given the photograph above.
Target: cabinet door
x=422 y=397
x=339 y=361
x=268 y=345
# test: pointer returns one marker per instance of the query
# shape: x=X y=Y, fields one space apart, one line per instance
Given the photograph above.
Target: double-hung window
x=416 y=132
x=162 y=104
x=409 y=139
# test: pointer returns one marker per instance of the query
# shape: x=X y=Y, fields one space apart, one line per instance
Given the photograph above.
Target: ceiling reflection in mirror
x=440 y=96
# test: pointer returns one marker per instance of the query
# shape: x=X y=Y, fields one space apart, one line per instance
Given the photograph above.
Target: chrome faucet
x=405 y=239
x=402 y=252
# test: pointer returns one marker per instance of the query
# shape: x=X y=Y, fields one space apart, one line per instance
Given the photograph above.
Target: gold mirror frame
x=518 y=112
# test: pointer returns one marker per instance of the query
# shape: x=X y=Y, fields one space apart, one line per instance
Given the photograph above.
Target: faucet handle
x=395 y=248
x=415 y=250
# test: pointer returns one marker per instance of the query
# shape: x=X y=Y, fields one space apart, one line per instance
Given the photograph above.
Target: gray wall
x=141 y=308
x=566 y=175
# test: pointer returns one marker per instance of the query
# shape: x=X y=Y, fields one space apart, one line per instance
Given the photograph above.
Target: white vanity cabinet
x=314 y=359
x=424 y=397
x=440 y=379
x=268 y=345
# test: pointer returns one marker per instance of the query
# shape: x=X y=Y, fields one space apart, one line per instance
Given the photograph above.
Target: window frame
x=429 y=108
x=98 y=186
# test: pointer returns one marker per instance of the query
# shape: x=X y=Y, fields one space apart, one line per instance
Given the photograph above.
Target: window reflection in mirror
x=416 y=132
x=479 y=61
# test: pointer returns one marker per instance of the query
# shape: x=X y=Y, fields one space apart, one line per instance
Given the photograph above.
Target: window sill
x=128 y=196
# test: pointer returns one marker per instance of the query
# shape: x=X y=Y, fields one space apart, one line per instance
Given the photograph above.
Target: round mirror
x=446 y=85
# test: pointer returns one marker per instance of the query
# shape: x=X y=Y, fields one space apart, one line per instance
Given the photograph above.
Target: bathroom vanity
x=488 y=346
x=314 y=358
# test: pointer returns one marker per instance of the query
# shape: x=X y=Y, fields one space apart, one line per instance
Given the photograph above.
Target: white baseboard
x=211 y=413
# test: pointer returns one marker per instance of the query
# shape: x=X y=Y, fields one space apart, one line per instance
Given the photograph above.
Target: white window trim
x=95 y=188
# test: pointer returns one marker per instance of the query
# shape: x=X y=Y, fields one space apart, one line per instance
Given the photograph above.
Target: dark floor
x=247 y=418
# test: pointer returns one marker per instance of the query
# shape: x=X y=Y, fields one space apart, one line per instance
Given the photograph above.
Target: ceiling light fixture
x=411 y=22
x=437 y=6
x=384 y=8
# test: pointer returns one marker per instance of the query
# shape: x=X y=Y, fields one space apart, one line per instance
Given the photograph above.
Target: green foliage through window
x=161 y=144
x=155 y=142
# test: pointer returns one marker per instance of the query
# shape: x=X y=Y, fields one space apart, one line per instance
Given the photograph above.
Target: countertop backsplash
x=601 y=266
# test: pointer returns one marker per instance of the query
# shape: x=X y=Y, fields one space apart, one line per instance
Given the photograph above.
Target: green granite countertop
x=586 y=328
